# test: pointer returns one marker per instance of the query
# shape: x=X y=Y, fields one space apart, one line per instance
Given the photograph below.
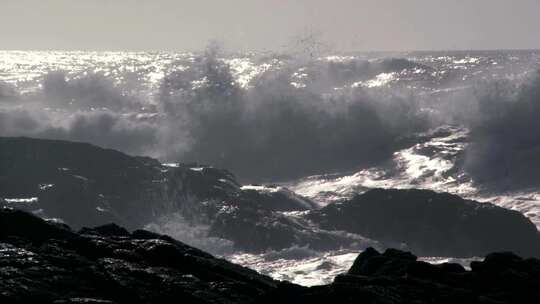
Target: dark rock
x=16 y=223
x=276 y=198
x=106 y=230
x=83 y=301
x=43 y=263
x=396 y=277
x=48 y=263
x=85 y=185
x=431 y=223
x=391 y=262
x=451 y=268
x=145 y=234
x=258 y=229
x=88 y=186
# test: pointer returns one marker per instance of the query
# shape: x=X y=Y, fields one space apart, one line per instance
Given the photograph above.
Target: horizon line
x=226 y=50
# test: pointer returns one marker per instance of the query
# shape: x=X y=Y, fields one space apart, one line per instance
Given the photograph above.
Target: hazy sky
x=268 y=24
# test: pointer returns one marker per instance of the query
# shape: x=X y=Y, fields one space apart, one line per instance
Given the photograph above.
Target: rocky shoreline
x=87 y=186
x=47 y=262
x=48 y=186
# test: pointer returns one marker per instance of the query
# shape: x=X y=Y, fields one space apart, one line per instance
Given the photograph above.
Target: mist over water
x=506 y=136
x=326 y=127
x=273 y=117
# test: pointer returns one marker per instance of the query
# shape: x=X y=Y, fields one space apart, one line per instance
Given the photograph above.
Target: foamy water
x=315 y=268
x=428 y=165
x=425 y=165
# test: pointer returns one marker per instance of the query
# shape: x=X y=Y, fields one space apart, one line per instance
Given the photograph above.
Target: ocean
x=325 y=126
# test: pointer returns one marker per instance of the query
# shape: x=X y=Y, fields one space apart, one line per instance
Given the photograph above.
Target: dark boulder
x=41 y=262
x=78 y=182
x=397 y=277
x=85 y=185
x=16 y=223
x=398 y=263
x=431 y=223
x=107 y=230
x=257 y=229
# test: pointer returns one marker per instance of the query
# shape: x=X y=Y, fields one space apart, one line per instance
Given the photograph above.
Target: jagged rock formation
x=85 y=185
x=396 y=277
x=257 y=230
x=46 y=262
x=431 y=223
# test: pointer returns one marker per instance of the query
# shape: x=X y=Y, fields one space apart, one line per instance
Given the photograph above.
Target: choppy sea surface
x=60 y=94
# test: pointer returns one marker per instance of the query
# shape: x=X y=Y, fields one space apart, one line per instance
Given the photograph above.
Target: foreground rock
x=44 y=262
x=431 y=223
x=396 y=277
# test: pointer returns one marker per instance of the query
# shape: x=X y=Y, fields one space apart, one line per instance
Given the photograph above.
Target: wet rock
x=396 y=277
x=275 y=198
x=16 y=223
x=257 y=229
x=108 y=265
x=41 y=262
x=106 y=230
x=399 y=263
x=391 y=262
x=85 y=185
x=431 y=223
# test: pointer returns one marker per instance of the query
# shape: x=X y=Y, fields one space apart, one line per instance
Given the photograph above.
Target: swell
x=274 y=118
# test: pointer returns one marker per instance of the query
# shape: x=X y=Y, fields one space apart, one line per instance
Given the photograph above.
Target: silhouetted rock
x=396 y=277
x=42 y=262
x=431 y=223
x=108 y=230
x=85 y=185
x=398 y=263
x=257 y=229
x=16 y=223
x=45 y=262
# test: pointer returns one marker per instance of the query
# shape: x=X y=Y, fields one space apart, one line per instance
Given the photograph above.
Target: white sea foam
x=22 y=200
x=427 y=165
x=304 y=267
x=424 y=165
x=309 y=268
x=379 y=80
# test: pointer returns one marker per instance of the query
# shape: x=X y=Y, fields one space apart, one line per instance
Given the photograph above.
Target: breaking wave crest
x=299 y=118
x=273 y=117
